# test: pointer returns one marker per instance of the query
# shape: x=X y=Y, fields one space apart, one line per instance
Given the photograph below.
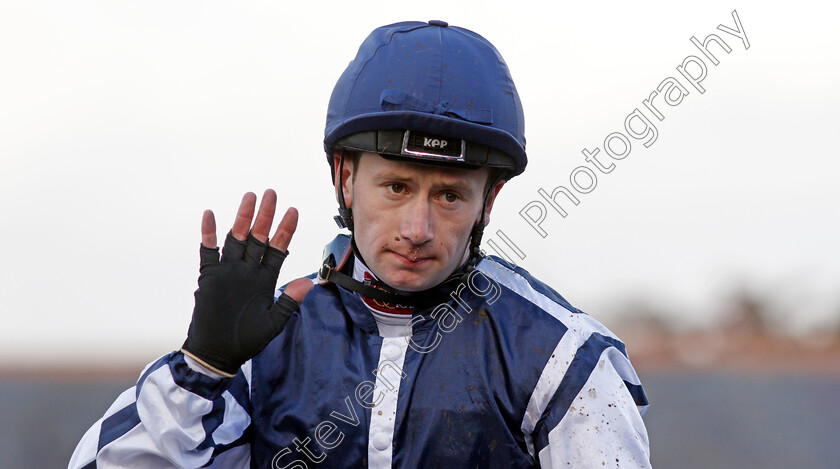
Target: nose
x=416 y=224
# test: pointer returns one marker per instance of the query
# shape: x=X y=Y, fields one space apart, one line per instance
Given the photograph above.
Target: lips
x=410 y=259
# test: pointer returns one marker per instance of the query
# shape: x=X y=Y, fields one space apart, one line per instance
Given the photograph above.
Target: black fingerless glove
x=235 y=314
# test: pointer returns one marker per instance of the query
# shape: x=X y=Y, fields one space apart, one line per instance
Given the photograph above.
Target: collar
x=362 y=273
x=424 y=302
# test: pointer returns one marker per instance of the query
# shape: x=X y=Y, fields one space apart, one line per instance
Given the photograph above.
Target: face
x=412 y=222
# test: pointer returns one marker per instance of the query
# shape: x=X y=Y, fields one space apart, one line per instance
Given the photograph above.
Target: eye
x=450 y=197
x=396 y=188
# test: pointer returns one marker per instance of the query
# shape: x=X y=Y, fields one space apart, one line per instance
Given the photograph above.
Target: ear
x=346 y=178
x=491 y=197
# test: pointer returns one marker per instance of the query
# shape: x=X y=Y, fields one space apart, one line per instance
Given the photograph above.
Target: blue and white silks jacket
x=506 y=374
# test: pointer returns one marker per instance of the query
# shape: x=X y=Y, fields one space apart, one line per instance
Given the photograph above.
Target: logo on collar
x=382 y=306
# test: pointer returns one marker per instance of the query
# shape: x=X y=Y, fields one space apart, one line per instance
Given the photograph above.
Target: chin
x=408 y=283
x=411 y=280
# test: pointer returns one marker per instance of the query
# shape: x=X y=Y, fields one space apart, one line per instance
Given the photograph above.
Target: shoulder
x=586 y=356
x=320 y=289
x=522 y=282
x=322 y=298
x=539 y=299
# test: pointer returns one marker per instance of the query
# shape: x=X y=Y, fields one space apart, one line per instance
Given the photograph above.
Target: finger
x=254 y=249
x=273 y=259
x=208 y=229
x=298 y=289
x=285 y=229
x=244 y=216
x=265 y=216
x=233 y=249
x=207 y=256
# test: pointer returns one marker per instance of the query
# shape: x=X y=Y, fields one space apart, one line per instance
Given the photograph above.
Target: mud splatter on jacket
x=505 y=374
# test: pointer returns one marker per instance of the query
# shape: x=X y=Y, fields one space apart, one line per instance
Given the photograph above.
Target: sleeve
x=594 y=417
x=175 y=416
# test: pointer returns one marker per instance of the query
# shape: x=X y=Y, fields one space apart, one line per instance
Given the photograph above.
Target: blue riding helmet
x=431 y=93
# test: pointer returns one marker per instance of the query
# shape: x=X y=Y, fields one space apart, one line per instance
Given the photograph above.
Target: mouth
x=410 y=259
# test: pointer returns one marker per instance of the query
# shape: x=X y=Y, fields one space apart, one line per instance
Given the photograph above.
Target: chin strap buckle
x=324 y=273
x=344 y=219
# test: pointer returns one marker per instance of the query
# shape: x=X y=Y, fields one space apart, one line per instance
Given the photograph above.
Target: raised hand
x=235 y=314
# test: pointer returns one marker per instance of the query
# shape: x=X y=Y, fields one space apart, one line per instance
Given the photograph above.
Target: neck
x=431 y=296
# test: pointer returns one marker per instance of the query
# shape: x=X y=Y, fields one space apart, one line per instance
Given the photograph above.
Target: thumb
x=299 y=288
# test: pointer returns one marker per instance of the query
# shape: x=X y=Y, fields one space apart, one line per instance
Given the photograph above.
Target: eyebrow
x=456 y=183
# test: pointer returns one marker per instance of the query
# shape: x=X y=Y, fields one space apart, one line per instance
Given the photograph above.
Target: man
x=411 y=348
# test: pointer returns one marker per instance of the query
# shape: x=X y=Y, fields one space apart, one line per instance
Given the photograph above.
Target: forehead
x=373 y=165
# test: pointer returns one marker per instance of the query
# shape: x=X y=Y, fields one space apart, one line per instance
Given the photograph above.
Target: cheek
x=373 y=224
x=456 y=233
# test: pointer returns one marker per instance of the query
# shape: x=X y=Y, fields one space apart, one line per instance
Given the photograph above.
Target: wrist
x=196 y=382
x=199 y=366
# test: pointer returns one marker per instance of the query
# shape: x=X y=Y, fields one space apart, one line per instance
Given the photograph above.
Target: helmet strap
x=478 y=230
x=344 y=219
